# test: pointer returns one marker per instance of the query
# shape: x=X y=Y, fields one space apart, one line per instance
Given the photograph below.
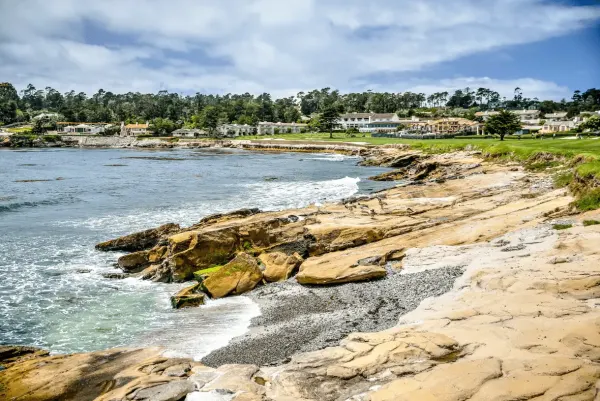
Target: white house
x=354 y=120
x=268 y=128
x=83 y=128
x=134 y=129
x=189 y=133
x=485 y=115
x=556 y=116
x=557 y=126
x=232 y=130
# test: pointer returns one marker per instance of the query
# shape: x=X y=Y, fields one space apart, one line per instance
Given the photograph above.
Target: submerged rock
x=140 y=240
x=189 y=296
x=280 y=266
x=240 y=275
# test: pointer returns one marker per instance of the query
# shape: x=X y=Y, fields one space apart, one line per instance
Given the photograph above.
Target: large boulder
x=189 y=296
x=240 y=275
x=279 y=266
x=134 y=262
x=205 y=249
x=139 y=241
x=313 y=273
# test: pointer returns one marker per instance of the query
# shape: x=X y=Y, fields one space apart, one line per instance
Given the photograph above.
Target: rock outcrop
x=279 y=266
x=240 y=275
x=139 y=241
x=189 y=296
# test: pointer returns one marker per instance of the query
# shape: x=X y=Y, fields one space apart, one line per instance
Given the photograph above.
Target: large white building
x=233 y=130
x=268 y=128
x=371 y=122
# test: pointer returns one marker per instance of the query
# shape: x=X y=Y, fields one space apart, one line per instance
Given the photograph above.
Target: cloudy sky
x=547 y=47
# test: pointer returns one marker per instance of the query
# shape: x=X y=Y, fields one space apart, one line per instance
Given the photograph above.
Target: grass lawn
x=524 y=147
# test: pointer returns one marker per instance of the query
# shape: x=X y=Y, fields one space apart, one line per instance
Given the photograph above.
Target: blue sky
x=547 y=47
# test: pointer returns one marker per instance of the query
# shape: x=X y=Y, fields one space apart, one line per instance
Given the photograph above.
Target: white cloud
x=269 y=45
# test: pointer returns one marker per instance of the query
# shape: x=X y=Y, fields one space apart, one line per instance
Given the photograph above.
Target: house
x=134 y=129
x=81 y=128
x=370 y=122
x=354 y=120
x=189 y=133
x=530 y=117
x=233 y=130
x=527 y=116
x=584 y=115
x=268 y=128
x=450 y=125
x=556 y=116
x=485 y=115
x=551 y=127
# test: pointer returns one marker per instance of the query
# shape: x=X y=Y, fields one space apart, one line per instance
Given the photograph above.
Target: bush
x=590 y=223
x=51 y=138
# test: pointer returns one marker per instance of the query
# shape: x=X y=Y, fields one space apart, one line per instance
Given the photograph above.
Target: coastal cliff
x=505 y=270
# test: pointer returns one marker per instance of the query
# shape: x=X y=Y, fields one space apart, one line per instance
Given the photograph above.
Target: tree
x=592 y=124
x=329 y=118
x=503 y=123
x=162 y=126
x=210 y=119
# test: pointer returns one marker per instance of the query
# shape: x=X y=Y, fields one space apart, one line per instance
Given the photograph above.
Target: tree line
x=172 y=110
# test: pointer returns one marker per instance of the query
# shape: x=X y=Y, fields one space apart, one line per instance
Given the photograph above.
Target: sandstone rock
x=240 y=275
x=404 y=160
x=138 y=241
x=10 y=354
x=220 y=217
x=315 y=274
x=205 y=249
x=189 y=296
x=134 y=262
x=235 y=378
x=280 y=266
x=172 y=391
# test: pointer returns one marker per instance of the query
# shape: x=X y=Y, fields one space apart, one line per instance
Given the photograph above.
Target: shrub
x=562 y=226
x=590 y=223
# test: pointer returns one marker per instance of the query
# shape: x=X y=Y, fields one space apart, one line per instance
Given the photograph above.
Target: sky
x=548 y=48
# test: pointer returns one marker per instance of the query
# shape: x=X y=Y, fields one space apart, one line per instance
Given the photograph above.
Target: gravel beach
x=298 y=318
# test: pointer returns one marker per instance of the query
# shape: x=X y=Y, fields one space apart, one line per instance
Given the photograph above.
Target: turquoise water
x=52 y=293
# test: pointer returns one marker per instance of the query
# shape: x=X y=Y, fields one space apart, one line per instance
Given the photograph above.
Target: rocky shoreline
x=456 y=287
x=296 y=318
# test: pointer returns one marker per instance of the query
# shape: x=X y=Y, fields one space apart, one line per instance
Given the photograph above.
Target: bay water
x=56 y=204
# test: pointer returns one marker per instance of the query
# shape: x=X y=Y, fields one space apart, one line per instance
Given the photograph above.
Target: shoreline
x=483 y=233
x=297 y=318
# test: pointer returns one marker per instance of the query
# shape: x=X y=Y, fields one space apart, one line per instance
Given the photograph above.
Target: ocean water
x=56 y=204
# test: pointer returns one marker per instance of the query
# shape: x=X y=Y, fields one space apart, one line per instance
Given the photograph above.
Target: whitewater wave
x=268 y=196
x=282 y=195
x=333 y=158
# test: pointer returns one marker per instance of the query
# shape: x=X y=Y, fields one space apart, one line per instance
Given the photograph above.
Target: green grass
x=589 y=170
x=563 y=179
x=590 y=223
x=589 y=200
x=562 y=226
x=198 y=275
